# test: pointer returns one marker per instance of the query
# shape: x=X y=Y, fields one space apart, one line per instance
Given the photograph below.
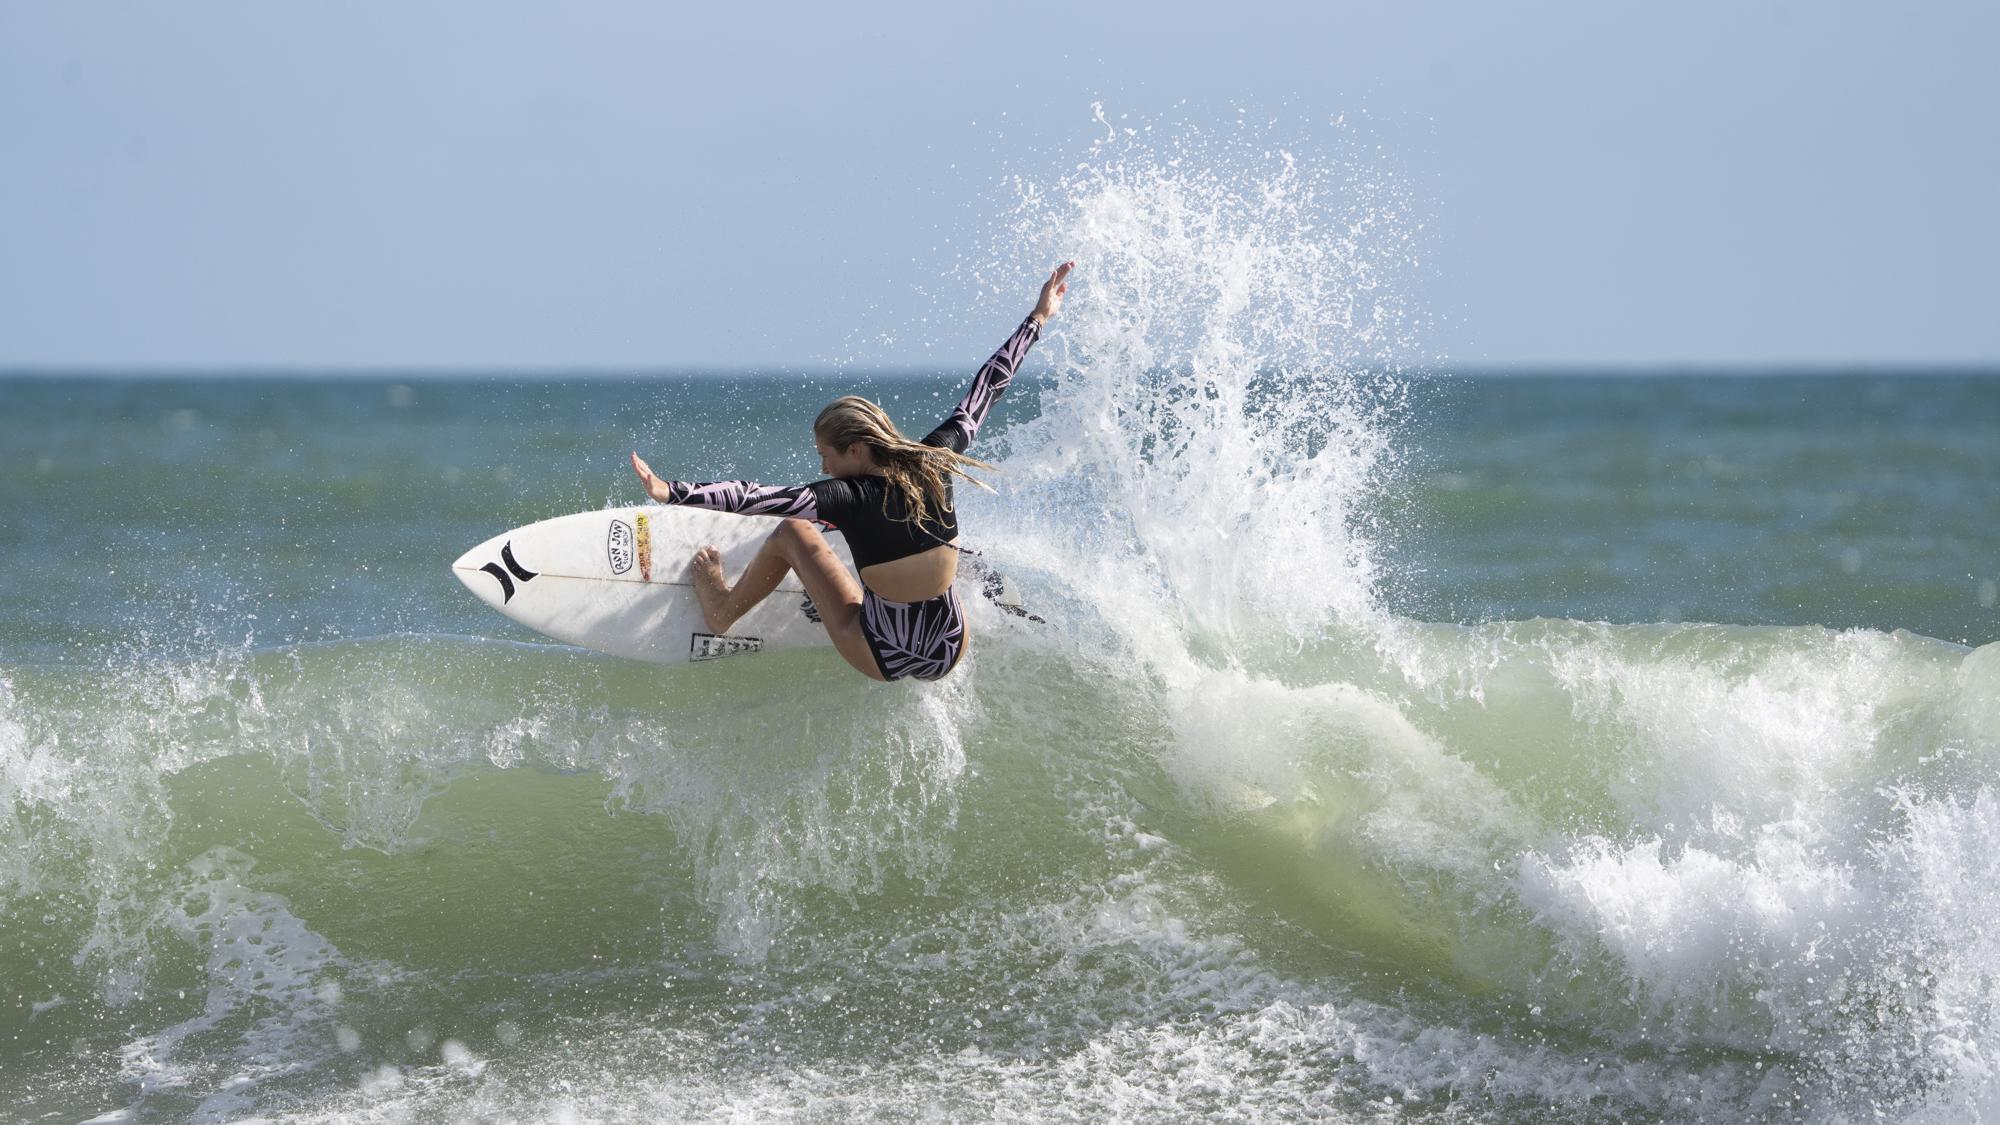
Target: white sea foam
x=1224 y=378
x=271 y=988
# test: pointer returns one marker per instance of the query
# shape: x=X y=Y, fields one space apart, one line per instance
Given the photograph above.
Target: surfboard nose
x=471 y=569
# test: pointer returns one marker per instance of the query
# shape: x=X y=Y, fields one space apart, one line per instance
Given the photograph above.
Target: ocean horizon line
x=606 y=373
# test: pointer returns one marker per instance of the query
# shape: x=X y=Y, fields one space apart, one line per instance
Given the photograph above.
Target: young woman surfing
x=891 y=498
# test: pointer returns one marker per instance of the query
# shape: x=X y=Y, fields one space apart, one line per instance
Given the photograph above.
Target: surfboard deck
x=618 y=581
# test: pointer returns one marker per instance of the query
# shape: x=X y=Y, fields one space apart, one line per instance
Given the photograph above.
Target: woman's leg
x=796 y=546
x=721 y=603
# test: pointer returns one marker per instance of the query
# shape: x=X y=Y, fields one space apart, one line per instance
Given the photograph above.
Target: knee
x=791 y=536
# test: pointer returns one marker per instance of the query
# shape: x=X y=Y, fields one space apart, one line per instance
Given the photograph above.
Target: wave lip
x=1719 y=842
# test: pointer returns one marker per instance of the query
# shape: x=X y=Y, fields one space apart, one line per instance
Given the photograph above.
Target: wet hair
x=917 y=472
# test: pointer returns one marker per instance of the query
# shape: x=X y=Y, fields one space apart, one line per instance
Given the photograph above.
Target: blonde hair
x=919 y=473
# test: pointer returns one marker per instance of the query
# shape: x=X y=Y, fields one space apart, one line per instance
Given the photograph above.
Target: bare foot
x=711 y=589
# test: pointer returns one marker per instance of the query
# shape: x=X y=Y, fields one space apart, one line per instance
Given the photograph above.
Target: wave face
x=1225 y=835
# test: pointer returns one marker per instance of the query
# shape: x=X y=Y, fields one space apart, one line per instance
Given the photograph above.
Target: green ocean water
x=1389 y=746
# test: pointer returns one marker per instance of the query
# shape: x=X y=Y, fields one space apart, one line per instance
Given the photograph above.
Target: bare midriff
x=913 y=578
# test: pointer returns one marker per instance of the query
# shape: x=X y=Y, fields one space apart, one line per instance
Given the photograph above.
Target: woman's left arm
x=962 y=425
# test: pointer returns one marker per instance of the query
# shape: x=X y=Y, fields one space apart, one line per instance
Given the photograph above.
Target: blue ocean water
x=1395 y=745
x=1838 y=499
x=161 y=504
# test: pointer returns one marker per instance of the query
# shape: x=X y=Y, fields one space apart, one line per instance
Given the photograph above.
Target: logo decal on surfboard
x=619 y=547
x=715 y=646
x=519 y=571
x=644 y=547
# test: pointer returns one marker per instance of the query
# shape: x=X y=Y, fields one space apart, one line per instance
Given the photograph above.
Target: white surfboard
x=617 y=581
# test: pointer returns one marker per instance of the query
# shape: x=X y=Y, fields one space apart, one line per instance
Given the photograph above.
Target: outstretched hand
x=1051 y=299
x=654 y=487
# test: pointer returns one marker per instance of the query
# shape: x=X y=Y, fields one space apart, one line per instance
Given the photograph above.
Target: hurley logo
x=506 y=583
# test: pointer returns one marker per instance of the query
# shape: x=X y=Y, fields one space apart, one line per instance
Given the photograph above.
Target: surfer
x=891 y=498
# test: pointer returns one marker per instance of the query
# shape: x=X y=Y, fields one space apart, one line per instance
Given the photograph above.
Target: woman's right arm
x=744 y=497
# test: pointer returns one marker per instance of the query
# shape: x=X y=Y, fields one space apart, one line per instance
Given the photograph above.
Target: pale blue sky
x=626 y=185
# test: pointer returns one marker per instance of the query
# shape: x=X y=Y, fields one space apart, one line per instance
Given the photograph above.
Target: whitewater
x=294 y=832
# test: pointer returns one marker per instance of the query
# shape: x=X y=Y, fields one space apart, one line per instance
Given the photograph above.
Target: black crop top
x=864 y=509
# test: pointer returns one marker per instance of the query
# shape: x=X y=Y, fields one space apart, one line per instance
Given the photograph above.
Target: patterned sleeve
x=746 y=498
x=957 y=430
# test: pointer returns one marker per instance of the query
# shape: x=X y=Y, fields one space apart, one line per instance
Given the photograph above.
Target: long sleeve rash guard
x=863 y=508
